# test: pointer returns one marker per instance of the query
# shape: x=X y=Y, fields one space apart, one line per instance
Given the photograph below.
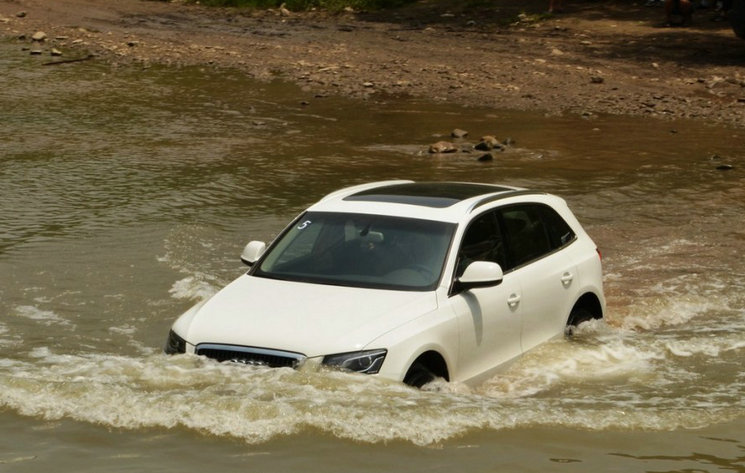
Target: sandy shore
x=596 y=57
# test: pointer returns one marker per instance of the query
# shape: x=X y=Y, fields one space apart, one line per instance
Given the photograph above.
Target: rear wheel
x=578 y=316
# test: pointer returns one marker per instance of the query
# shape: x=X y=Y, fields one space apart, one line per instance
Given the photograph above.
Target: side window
x=560 y=233
x=528 y=237
x=481 y=242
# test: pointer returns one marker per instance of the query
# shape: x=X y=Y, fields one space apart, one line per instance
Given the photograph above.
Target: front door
x=489 y=322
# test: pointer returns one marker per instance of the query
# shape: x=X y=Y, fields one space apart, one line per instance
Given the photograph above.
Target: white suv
x=407 y=281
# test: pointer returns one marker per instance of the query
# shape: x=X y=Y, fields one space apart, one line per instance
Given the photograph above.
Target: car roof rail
x=362 y=187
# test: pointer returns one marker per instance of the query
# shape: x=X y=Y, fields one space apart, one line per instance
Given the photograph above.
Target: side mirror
x=480 y=274
x=252 y=252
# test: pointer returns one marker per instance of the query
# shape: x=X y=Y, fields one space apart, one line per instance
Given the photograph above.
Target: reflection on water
x=127 y=195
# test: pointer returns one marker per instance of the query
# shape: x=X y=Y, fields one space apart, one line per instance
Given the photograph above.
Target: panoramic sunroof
x=427 y=194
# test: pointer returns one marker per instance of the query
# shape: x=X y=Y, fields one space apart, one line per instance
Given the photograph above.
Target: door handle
x=513 y=300
x=567 y=278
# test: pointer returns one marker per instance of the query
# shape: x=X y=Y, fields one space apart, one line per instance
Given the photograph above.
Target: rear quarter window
x=533 y=231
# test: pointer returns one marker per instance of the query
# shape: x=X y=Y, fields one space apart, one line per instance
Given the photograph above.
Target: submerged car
x=409 y=281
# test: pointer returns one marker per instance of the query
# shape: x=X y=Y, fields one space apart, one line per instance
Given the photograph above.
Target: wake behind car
x=407 y=281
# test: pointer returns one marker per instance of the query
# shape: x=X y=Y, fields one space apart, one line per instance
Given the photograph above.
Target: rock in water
x=442 y=147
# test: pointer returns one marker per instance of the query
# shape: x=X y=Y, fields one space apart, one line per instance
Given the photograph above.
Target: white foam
x=546 y=388
x=709 y=346
x=193 y=288
x=123 y=330
x=46 y=317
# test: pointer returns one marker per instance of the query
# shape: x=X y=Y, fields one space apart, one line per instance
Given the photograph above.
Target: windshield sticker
x=304 y=225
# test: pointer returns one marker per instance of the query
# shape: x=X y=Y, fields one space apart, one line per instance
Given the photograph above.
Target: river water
x=127 y=195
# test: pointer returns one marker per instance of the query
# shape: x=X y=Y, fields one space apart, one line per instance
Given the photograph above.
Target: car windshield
x=360 y=250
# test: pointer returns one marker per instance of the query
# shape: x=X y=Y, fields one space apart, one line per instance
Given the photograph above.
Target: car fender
x=435 y=331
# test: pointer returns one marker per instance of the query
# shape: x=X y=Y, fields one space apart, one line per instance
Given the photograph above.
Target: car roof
x=444 y=201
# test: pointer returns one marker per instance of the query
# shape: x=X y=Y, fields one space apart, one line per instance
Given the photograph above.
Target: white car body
x=463 y=326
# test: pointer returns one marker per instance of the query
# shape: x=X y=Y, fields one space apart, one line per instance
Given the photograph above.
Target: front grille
x=250 y=355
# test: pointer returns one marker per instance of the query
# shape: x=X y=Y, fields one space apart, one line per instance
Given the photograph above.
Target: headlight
x=174 y=344
x=368 y=362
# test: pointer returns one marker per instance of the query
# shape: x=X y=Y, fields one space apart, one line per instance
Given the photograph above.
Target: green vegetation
x=301 y=5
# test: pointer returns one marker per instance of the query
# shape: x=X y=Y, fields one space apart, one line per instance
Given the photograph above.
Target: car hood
x=311 y=319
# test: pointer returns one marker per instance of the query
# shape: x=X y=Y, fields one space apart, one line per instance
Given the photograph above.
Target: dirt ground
x=598 y=56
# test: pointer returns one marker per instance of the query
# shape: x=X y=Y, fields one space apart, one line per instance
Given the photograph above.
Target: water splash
x=605 y=379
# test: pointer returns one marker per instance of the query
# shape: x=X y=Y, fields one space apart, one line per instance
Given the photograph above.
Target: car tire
x=577 y=316
x=418 y=375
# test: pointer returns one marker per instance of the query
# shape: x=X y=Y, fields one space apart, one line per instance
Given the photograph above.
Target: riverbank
x=612 y=56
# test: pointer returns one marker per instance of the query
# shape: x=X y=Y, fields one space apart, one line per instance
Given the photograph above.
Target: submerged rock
x=442 y=147
x=458 y=133
x=488 y=143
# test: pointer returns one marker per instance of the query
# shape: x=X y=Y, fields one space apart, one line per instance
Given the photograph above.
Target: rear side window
x=533 y=231
x=559 y=232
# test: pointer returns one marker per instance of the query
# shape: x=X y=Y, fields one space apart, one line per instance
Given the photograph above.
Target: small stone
x=56 y=52
x=39 y=36
x=132 y=44
x=368 y=84
x=458 y=133
x=488 y=143
x=21 y=14
x=486 y=158
x=442 y=147
x=725 y=167
x=36 y=52
x=597 y=80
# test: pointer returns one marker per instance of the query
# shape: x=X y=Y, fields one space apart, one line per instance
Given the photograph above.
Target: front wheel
x=418 y=375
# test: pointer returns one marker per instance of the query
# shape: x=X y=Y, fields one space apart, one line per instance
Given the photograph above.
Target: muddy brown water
x=127 y=194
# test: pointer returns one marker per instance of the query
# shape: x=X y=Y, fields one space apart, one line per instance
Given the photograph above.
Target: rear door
x=535 y=237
